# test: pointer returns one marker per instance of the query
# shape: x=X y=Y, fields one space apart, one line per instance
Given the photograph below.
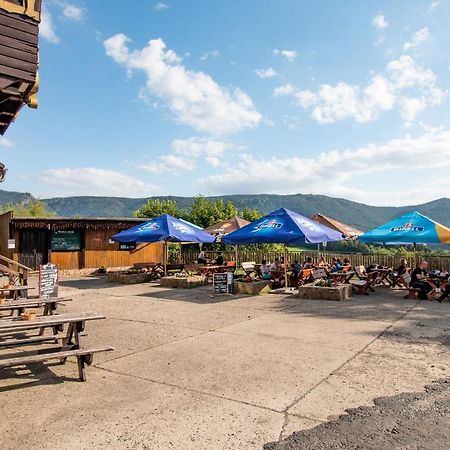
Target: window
x=65 y=241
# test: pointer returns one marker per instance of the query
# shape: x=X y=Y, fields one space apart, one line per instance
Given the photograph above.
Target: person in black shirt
x=418 y=282
x=219 y=259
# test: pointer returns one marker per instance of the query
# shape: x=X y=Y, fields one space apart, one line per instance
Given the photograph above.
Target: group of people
x=419 y=278
x=201 y=259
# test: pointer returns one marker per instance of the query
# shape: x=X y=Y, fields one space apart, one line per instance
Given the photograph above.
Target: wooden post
x=285 y=269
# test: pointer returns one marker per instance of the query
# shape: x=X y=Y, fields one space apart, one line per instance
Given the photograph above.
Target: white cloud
x=93 y=181
x=186 y=153
x=211 y=54
x=426 y=153
x=5 y=142
x=194 y=98
x=290 y=55
x=160 y=6
x=380 y=22
x=46 y=28
x=404 y=82
x=73 y=12
x=266 y=73
x=433 y=6
x=417 y=38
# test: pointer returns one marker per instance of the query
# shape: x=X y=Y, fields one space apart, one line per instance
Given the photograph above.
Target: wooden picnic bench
x=364 y=286
x=71 y=342
x=29 y=303
x=341 y=277
x=14 y=291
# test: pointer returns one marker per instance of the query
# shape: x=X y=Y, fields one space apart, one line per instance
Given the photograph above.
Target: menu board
x=66 y=240
x=220 y=282
x=48 y=281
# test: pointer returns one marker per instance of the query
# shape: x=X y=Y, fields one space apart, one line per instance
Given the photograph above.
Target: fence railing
x=356 y=259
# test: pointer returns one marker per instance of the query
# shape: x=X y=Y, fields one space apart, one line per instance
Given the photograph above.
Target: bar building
x=72 y=243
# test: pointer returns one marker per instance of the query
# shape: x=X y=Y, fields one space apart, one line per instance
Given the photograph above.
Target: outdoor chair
x=361 y=272
x=364 y=287
x=318 y=274
x=249 y=268
x=305 y=276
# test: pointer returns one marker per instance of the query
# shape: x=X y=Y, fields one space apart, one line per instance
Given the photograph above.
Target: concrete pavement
x=194 y=371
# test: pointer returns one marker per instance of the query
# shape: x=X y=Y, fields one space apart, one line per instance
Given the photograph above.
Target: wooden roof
x=71 y=223
x=18 y=64
x=343 y=228
x=227 y=226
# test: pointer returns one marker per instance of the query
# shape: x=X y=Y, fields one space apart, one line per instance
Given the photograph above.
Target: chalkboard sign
x=65 y=241
x=220 y=281
x=48 y=281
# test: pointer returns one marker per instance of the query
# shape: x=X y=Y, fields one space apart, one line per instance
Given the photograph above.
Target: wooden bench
x=22 y=304
x=71 y=342
x=84 y=356
x=365 y=286
x=14 y=291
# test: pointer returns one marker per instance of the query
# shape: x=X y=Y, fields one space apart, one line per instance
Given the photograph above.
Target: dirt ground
x=195 y=371
x=419 y=420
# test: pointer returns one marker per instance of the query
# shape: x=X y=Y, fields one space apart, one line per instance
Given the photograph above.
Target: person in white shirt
x=201 y=257
x=265 y=270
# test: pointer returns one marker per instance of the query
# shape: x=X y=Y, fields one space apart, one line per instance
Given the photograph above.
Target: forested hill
x=356 y=214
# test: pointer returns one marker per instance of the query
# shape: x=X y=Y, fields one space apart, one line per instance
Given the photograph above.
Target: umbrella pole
x=415 y=255
x=285 y=269
x=237 y=255
x=165 y=258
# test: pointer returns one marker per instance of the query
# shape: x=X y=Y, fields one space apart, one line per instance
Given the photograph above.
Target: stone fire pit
x=253 y=288
x=184 y=282
x=129 y=277
x=338 y=293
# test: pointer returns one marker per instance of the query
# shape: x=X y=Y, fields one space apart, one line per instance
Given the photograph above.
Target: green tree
x=250 y=214
x=31 y=208
x=155 y=207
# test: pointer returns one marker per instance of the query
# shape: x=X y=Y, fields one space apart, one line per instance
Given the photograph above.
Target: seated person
x=201 y=258
x=347 y=263
x=275 y=266
x=296 y=268
x=265 y=270
x=219 y=259
x=323 y=264
x=308 y=264
x=337 y=265
x=418 y=282
x=397 y=274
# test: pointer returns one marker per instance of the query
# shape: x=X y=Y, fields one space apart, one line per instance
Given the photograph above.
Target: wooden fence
x=356 y=259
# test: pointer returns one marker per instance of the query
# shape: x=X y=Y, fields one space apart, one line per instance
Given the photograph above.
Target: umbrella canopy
x=227 y=226
x=348 y=230
x=411 y=228
x=282 y=227
x=164 y=228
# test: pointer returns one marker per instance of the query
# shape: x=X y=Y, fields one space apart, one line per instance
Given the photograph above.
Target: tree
x=155 y=207
x=250 y=214
x=30 y=208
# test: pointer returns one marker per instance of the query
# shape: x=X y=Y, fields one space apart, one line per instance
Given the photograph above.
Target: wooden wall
x=97 y=251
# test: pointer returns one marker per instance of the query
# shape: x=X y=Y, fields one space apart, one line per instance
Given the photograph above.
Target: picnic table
x=20 y=305
x=438 y=284
x=71 y=344
x=14 y=291
x=383 y=276
x=209 y=270
x=341 y=277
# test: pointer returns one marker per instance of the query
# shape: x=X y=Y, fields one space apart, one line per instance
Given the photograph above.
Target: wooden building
x=72 y=243
x=19 y=28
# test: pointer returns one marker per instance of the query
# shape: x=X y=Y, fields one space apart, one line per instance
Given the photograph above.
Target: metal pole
x=285 y=269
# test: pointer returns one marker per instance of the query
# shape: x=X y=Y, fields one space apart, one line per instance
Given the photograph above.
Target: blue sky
x=348 y=99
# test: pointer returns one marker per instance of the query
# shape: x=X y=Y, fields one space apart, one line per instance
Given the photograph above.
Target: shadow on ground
x=406 y=421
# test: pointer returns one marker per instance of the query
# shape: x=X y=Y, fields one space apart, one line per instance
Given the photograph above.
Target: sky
x=342 y=98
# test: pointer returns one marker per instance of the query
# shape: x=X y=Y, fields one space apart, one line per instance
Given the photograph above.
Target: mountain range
x=356 y=214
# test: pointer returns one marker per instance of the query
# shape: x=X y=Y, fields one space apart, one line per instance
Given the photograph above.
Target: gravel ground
x=406 y=421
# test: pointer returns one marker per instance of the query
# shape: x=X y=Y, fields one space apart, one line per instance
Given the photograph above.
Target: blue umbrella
x=164 y=228
x=411 y=228
x=283 y=227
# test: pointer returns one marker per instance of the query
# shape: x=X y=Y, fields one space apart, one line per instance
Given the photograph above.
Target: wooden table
x=383 y=276
x=341 y=277
x=209 y=271
x=11 y=331
x=437 y=286
x=14 y=291
x=20 y=305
